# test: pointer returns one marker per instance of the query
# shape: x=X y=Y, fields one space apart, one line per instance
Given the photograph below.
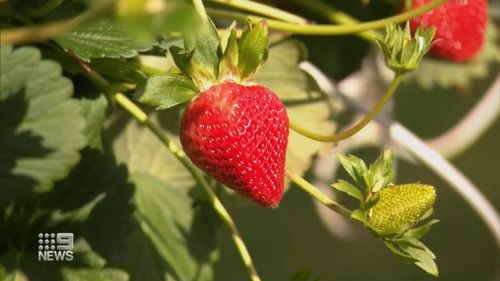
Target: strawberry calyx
x=206 y=64
x=206 y=60
x=402 y=51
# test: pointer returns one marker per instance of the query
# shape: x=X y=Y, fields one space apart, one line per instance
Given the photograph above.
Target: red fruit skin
x=461 y=27
x=238 y=135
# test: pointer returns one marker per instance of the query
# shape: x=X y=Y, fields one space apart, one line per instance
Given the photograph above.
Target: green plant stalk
x=350 y=132
x=336 y=16
x=179 y=154
x=326 y=30
x=219 y=208
x=262 y=9
x=51 y=30
x=318 y=195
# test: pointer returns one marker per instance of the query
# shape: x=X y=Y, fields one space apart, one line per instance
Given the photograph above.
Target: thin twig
x=356 y=128
x=262 y=9
x=318 y=195
x=328 y=29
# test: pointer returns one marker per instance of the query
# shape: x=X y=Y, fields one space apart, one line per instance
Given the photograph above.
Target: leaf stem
x=318 y=195
x=178 y=153
x=262 y=9
x=327 y=30
x=348 y=133
x=334 y=15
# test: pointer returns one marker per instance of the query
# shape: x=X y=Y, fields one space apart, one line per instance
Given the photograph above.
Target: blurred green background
x=292 y=236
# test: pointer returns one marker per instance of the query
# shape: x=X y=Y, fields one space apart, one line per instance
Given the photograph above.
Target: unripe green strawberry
x=401 y=206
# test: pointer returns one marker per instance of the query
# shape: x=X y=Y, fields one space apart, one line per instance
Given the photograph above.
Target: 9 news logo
x=55 y=246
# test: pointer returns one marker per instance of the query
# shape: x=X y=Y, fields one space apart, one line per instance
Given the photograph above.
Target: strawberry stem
x=350 y=132
x=318 y=195
x=219 y=208
x=262 y=9
x=335 y=16
x=325 y=29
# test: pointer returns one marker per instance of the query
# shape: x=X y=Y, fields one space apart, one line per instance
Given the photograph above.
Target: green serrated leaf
x=228 y=68
x=348 y=188
x=94 y=111
x=253 y=48
x=204 y=44
x=142 y=152
x=191 y=67
x=118 y=69
x=381 y=171
x=399 y=252
x=425 y=257
x=167 y=218
x=165 y=91
x=42 y=127
x=99 y=40
x=357 y=169
x=420 y=231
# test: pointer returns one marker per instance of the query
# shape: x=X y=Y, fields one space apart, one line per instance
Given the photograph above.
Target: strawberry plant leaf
x=141 y=150
x=399 y=252
x=168 y=220
x=253 y=48
x=118 y=69
x=424 y=258
x=381 y=171
x=101 y=39
x=420 y=231
x=165 y=91
x=357 y=169
x=349 y=189
x=304 y=101
x=42 y=127
x=94 y=111
x=204 y=45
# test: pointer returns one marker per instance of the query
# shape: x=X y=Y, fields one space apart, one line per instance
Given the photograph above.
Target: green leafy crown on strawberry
x=234 y=130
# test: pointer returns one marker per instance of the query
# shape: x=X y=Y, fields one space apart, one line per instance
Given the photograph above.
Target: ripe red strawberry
x=461 y=27
x=238 y=135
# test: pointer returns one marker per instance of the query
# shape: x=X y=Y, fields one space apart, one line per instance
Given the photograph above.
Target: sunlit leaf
x=42 y=128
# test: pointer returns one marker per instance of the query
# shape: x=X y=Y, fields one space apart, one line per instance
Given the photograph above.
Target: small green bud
x=403 y=52
x=401 y=206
